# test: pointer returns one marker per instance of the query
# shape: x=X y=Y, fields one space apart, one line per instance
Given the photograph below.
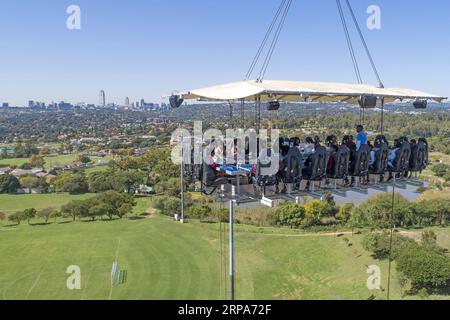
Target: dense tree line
x=423 y=267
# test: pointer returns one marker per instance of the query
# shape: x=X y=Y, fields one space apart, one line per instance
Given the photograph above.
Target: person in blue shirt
x=361 y=137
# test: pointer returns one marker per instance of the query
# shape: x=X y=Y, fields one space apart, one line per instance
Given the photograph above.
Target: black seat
x=262 y=178
x=293 y=166
x=401 y=163
x=340 y=166
x=360 y=165
x=318 y=168
x=419 y=155
x=426 y=152
x=380 y=165
x=210 y=180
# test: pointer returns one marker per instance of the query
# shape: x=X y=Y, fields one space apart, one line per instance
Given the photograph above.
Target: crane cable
x=274 y=42
x=363 y=40
x=349 y=43
x=264 y=42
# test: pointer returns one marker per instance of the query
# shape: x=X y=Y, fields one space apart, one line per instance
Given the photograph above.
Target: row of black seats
x=409 y=157
x=406 y=157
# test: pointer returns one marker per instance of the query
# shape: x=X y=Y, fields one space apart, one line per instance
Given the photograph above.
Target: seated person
x=213 y=164
x=332 y=158
x=296 y=142
x=349 y=142
x=317 y=142
x=331 y=141
x=373 y=153
x=393 y=153
x=309 y=140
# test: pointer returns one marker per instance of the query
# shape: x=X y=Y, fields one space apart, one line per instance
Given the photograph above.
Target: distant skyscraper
x=102 y=99
x=127 y=102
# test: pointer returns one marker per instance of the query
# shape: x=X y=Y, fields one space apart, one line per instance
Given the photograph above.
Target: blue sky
x=147 y=48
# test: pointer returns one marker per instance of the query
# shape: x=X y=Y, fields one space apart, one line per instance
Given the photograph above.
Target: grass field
x=50 y=161
x=167 y=260
x=13 y=203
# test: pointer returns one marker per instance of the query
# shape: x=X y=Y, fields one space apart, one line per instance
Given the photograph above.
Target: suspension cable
x=274 y=42
x=264 y=42
x=349 y=43
x=375 y=70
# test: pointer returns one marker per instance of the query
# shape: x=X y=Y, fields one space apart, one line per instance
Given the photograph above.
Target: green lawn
x=50 y=161
x=167 y=260
x=13 y=203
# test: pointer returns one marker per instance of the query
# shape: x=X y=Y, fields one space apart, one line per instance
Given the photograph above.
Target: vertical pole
x=391 y=238
x=182 y=179
x=232 y=204
x=242 y=113
x=231 y=114
x=256 y=113
x=382 y=116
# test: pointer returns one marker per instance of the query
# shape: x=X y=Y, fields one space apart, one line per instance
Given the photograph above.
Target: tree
x=291 y=215
x=115 y=180
x=16 y=217
x=45 y=151
x=124 y=210
x=115 y=202
x=378 y=211
x=55 y=215
x=99 y=210
x=83 y=159
x=316 y=210
x=29 y=182
x=344 y=212
x=46 y=214
x=9 y=184
x=29 y=214
x=424 y=268
x=37 y=161
x=75 y=209
x=75 y=183
x=199 y=212
x=440 y=170
x=170 y=187
x=379 y=244
x=447 y=177
x=167 y=205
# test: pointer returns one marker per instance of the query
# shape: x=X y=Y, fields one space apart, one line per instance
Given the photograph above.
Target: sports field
x=13 y=203
x=50 y=161
x=167 y=260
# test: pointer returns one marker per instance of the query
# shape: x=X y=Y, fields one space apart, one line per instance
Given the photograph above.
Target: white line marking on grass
x=34 y=284
x=85 y=287
x=117 y=257
x=13 y=283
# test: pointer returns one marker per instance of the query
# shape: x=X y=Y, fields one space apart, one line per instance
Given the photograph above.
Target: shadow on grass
x=11 y=225
x=136 y=218
x=65 y=222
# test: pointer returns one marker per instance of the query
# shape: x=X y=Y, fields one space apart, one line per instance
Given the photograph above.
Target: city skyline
x=102 y=103
x=149 y=55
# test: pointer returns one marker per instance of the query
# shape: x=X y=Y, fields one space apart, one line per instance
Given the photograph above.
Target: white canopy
x=303 y=91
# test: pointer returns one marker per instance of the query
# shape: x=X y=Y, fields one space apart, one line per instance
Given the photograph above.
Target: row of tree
x=109 y=204
x=422 y=267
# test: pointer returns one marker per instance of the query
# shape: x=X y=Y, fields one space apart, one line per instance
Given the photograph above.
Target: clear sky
x=147 y=48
